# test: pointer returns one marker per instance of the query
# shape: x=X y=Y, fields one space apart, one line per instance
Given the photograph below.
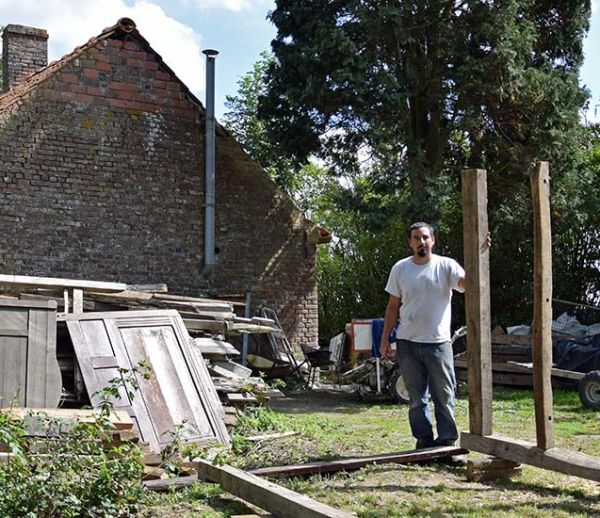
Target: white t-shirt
x=425 y=291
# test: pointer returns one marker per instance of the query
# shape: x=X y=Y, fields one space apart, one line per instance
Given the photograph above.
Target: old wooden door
x=29 y=372
x=179 y=393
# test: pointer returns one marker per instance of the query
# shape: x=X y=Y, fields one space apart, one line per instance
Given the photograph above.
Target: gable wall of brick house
x=102 y=177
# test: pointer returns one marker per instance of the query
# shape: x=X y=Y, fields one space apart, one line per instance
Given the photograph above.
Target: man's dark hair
x=417 y=225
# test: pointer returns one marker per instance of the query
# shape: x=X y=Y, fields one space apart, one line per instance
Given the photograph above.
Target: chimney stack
x=24 y=51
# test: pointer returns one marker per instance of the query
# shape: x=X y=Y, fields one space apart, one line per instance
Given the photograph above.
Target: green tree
x=398 y=96
x=421 y=86
x=242 y=121
x=306 y=184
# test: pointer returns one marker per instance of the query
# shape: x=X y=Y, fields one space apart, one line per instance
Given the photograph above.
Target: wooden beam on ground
x=576 y=464
x=542 y=306
x=170 y=483
x=266 y=495
x=59 y=284
x=477 y=299
x=413 y=456
x=491 y=468
x=119 y=419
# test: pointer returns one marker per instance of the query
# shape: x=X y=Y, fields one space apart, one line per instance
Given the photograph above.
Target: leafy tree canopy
x=410 y=90
x=395 y=97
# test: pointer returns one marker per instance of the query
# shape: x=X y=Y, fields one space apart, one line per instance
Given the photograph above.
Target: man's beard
x=422 y=251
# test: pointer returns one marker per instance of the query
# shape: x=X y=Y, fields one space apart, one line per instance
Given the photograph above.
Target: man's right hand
x=385 y=349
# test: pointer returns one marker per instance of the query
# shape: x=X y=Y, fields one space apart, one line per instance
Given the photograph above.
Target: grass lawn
x=333 y=423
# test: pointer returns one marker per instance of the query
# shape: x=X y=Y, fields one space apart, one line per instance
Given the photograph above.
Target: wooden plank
x=179 y=390
x=158 y=287
x=576 y=464
x=59 y=284
x=268 y=496
x=170 y=296
x=104 y=362
x=77 y=301
x=170 y=483
x=542 y=306
x=477 y=299
x=517 y=379
x=29 y=370
x=119 y=419
x=270 y=436
x=87 y=304
x=492 y=468
x=211 y=346
x=231 y=367
x=561 y=373
x=525 y=368
x=197 y=325
x=241 y=327
x=523 y=340
x=241 y=399
x=413 y=456
x=576 y=304
x=502 y=378
x=42 y=304
x=44 y=381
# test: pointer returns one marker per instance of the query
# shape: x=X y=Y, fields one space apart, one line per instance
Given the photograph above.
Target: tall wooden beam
x=542 y=306
x=477 y=300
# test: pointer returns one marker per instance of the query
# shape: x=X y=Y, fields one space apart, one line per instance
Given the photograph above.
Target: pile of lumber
x=234 y=383
x=43 y=427
x=210 y=321
x=512 y=364
x=86 y=333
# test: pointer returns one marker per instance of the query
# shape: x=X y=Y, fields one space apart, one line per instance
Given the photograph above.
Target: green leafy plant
x=77 y=472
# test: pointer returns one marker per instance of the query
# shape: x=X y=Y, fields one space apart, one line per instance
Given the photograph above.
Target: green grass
x=333 y=425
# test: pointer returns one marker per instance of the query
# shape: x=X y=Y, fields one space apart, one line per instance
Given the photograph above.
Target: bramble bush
x=77 y=473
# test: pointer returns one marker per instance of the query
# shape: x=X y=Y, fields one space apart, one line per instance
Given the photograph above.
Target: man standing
x=420 y=289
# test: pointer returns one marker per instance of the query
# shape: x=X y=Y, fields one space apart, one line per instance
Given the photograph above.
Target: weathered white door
x=179 y=393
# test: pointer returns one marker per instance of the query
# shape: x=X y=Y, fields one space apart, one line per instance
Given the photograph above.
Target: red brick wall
x=102 y=176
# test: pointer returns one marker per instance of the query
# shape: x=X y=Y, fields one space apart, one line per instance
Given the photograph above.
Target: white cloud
x=72 y=22
x=595 y=6
x=229 y=5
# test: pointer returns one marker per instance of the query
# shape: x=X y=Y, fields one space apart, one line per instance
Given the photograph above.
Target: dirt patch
x=324 y=398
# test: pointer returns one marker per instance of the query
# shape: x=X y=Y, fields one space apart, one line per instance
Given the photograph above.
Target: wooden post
x=542 y=306
x=77 y=300
x=477 y=300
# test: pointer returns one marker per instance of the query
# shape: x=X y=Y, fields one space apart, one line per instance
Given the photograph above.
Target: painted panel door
x=179 y=393
x=29 y=371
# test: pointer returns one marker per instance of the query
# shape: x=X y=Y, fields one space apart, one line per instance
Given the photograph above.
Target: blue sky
x=590 y=72
x=180 y=29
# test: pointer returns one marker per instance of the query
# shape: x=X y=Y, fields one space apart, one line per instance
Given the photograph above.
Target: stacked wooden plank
x=104 y=330
x=511 y=362
x=234 y=383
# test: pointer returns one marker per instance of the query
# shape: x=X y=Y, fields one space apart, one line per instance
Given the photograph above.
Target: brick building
x=102 y=177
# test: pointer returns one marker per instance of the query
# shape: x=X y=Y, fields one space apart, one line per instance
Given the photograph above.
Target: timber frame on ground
x=480 y=438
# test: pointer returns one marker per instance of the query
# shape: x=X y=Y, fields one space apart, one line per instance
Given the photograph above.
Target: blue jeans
x=429 y=368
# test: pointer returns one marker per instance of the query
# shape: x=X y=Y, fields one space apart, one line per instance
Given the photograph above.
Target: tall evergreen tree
x=397 y=96
x=424 y=85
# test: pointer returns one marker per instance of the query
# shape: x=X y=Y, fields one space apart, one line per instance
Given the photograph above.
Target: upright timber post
x=542 y=306
x=477 y=300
